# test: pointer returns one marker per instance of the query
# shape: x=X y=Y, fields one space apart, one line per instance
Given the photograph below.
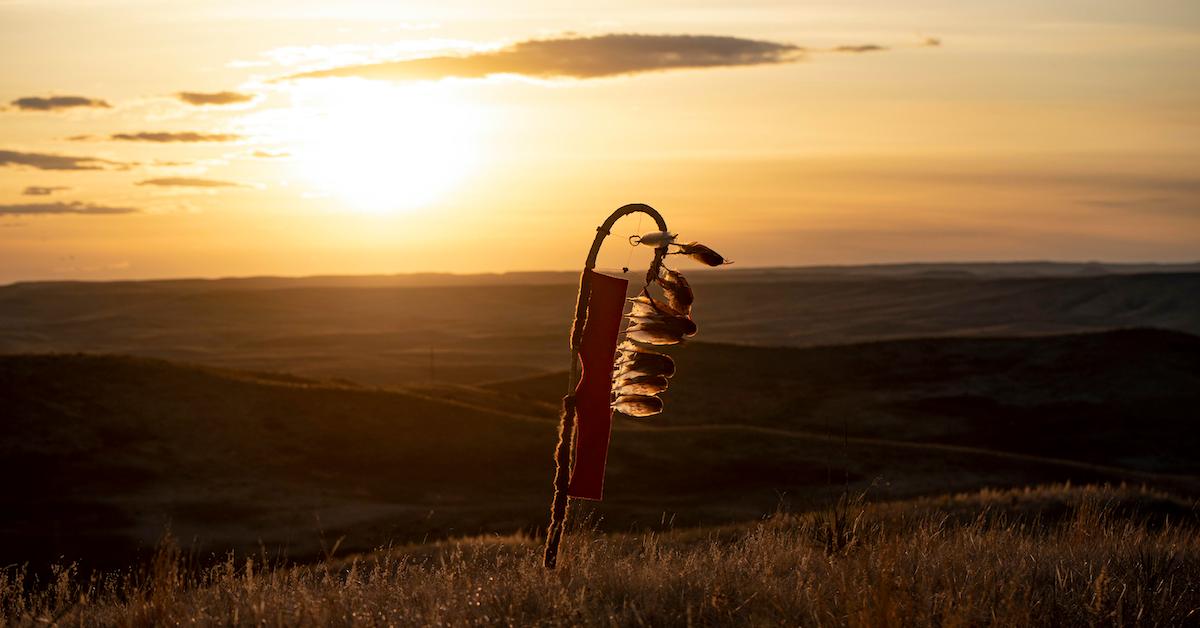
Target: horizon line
x=510 y=273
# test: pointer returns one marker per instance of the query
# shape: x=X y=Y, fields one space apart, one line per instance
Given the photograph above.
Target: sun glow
x=383 y=148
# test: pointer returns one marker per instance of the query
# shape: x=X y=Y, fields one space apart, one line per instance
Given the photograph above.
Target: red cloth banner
x=593 y=395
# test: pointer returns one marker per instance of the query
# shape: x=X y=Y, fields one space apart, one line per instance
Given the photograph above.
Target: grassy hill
x=1054 y=556
x=107 y=452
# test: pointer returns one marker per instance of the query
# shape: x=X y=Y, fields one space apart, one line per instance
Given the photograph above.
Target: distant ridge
x=736 y=273
x=371 y=331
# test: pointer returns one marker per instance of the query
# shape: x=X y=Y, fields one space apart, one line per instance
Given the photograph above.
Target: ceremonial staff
x=603 y=376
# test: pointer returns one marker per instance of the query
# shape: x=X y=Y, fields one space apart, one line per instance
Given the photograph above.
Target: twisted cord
x=562 y=478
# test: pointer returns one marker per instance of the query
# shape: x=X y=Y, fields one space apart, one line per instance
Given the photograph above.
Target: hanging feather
x=640 y=385
x=628 y=347
x=645 y=305
x=674 y=326
x=702 y=254
x=628 y=372
x=638 y=405
x=683 y=324
x=635 y=360
x=676 y=288
x=654 y=333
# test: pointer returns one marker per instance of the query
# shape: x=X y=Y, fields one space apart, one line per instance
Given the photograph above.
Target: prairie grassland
x=1049 y=556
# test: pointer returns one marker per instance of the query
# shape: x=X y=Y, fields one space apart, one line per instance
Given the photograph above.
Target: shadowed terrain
x=1126 y=398
x=113 y=450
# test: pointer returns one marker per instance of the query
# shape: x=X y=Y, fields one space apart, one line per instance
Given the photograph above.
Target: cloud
x=45 y=209
x=190 y=182
x=580 y=57
x=37 y=190
x=860 y=48
x=931 y=42
x=182 y=136
x=265 y=154
x=37 y=103
x=43 y=161
x=214 y=98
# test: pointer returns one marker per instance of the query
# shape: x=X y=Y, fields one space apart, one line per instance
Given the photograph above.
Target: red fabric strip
x=597 y=351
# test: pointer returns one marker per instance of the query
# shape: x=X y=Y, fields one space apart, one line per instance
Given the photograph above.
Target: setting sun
x=380 y=148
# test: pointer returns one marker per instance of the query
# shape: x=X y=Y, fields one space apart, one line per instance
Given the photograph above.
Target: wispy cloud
x=45 y=209
x=38 y=190
x=214 y=98
x=52 y=103
x=266 y=154
x=580 y=57
x=190 y=182
x=181 y=136
x=42 y=161
x=856 y=48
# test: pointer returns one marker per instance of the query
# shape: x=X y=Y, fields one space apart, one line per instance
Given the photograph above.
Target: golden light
x=380 y=147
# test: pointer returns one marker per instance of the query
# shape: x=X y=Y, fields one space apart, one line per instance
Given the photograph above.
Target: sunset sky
x=167 y=139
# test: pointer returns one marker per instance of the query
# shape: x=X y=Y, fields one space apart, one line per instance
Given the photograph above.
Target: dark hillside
x=104 y=453
x=1126 y=398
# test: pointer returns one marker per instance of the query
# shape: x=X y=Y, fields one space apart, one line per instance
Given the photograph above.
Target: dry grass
x=1053 y=556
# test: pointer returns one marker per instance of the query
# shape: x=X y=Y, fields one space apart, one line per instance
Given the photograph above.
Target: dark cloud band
x=214 y=98
x=43 y=161
x=581 y=57
x=40 y=190
x=46 y=209
x=189 y=182
x=182 y=136
x=52 y=103
x=857 y=48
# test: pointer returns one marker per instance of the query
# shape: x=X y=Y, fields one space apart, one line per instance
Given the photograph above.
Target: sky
x=261 y=137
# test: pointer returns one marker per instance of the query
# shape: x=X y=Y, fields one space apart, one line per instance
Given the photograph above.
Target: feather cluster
x=640 y=374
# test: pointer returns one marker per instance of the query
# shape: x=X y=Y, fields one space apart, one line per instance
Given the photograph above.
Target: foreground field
x=1052 y=556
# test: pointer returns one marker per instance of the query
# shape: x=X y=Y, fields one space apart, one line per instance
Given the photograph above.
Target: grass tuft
x=1050 y=556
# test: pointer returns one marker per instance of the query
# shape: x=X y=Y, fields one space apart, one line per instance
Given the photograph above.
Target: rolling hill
x=104 y=453
x=423 y=329
x=1126 y=398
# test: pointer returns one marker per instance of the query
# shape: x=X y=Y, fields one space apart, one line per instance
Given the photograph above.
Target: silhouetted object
x=625 y=378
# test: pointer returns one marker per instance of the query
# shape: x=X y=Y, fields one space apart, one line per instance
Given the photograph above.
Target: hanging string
x=632 y=246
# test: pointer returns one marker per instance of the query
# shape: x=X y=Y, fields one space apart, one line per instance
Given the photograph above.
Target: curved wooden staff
x=566 y=424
